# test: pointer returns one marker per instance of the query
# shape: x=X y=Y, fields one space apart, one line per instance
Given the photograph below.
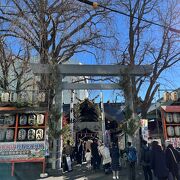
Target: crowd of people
x=157 y=162
x=161 y=162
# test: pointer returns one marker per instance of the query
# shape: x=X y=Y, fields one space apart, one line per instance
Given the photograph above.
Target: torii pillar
x=85 y=70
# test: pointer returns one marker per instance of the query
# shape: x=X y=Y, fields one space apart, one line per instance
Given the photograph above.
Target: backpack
x=132 y=155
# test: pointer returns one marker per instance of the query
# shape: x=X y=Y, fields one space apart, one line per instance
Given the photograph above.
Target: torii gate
x=88 y=70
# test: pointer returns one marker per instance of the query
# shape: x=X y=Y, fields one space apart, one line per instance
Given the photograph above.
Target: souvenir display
x=2 y=118
x=31 y=119
x=40 y=119
x=176 y=117
x=177 y=130
x=5 y=97
x=9 y=120
x=22 y=134
x=39 y=134
x=169 y=118
x=10 y=134
x=170 y=131
x=13 y=97
x=31 y=134
x=23 y=119
x=2 y=134
x=41 y=97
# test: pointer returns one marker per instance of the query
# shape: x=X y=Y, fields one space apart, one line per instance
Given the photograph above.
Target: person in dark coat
x=115 y=155
x=67 y=152
x=96 y=159
x=172 y=158
x=78 y=152
x=145 y=160
x=158 y=162
x=64 y=161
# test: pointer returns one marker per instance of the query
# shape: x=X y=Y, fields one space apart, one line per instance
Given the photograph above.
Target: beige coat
x=105 y=153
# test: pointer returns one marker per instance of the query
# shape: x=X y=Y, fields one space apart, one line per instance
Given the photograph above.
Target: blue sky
x=169 y=79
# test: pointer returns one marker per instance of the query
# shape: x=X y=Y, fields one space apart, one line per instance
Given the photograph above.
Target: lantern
x=2 y=134
x=174 y=96
x=23 y=119
x=40 y=119
x=170 y=131
x=22 y=134
x=31 y=134
x=9 y=134
x=169 y=118
x=9 y=120
x=5 y=97
x=31 y=119
x=2 y=118
x=166 y=96
x=39 y=134
x=13 y=97
x=177 y=130
x=176 y=117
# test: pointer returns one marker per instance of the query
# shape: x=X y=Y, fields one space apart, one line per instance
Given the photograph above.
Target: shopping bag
x=68 y=160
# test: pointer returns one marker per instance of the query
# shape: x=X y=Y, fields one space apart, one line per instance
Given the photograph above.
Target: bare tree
x=147 y=43
x=22 y=73
x=6 y=60
x=56 y=29
x=13 y=68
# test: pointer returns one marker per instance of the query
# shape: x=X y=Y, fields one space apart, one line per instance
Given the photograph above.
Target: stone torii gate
x=87 y=70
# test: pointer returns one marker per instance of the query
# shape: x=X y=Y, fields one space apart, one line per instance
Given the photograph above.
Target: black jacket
x=171 y=163
x=158 y=162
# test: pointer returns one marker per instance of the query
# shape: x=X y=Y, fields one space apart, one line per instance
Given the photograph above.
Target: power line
x=95 y=5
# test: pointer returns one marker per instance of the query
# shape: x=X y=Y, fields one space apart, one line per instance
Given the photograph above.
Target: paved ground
x=28 y=171
x=84 y=174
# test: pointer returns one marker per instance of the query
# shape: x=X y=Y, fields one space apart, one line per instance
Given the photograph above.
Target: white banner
x=103 y=117
x=72 y=111
x=144 y=129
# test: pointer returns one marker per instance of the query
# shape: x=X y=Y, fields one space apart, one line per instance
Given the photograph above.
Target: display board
x=22 y=150
x=171 y=124
x=23 y=135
